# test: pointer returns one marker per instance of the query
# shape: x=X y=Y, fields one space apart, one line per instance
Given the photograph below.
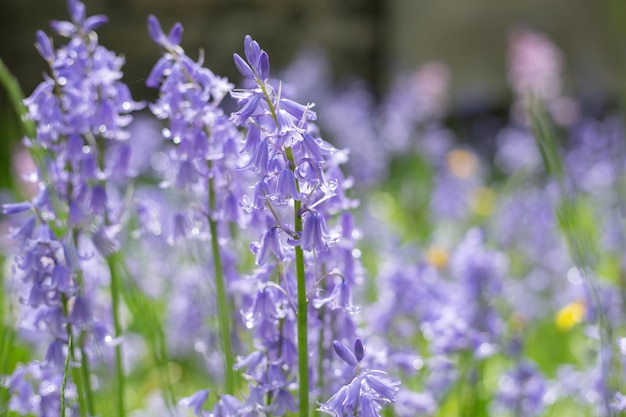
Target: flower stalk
x=112 y=262
x=303 y=349
x=224 y=316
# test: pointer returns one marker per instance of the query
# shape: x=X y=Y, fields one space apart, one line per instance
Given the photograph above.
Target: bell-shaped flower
x=196 y=402
x=314 y=232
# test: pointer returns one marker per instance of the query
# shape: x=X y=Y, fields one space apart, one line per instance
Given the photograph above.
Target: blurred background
x=372 y=40
x=369 y=39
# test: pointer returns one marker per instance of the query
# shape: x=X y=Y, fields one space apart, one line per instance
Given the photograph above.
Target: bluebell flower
x=365 y=394
x=522 y=388
x=282 y=402
x=55 y=355
x=35 y=390
x=619 y=402
x=196 y=402
x=339 y=298
x=344 y=353
x=314 y=232
x=270 y=243
x=226 y=406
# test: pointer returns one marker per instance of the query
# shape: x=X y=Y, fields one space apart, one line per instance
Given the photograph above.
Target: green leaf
x=16 y=97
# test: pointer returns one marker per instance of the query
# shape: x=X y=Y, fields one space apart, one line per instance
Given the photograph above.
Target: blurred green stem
x=222 y=297
x=112 y=262
x=580 y=244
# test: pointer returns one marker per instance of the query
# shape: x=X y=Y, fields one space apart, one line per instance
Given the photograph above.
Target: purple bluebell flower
x=314 y=232
x=283 y=402
x=522 y=390
x=366 y=393
x=619 y=402
x=344 y=353
x=270 y=243
x=340 y=297
x=196 y=402
x=35 y=389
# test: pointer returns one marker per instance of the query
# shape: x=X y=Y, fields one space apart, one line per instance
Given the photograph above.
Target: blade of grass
x=146 y=313
x=16 y=97
x=579 y=238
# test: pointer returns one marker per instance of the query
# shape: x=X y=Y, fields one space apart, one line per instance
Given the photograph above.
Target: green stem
x=85 y=377
x=222 y=299
x=76 y=374
x=117 y=327
x=83 y=404
x=66 y=373
x=7 y=336
x=303 y=351
x=303 y=348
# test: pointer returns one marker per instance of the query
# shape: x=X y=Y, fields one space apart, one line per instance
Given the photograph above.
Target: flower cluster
x=244 y=270
x=80 y=111
x=298 y=171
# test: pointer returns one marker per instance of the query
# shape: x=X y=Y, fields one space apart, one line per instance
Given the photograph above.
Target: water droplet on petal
x=418 y=364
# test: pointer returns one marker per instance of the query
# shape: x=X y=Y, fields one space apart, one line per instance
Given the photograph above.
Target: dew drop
x=47 y=388
x=573 y=276
x=591 y=397
x=418 y=364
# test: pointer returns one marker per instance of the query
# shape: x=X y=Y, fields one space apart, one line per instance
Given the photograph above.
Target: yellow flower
x=462 y=163
x=483 y=201
x=437 y=256
x=570 y=315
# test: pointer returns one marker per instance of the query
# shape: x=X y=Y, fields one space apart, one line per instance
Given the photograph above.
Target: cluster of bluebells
x=263 y=174
x=205 y=140
x=294 y=170
x=284 y=163
x=80 y=112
